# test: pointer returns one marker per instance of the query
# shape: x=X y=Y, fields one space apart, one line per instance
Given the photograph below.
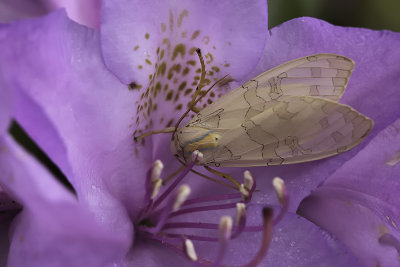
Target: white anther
x=189 y=250
x=244 y=192
x=197 y=156
x=248 y=180
x=225 y=228
x=156 y=188
x=181 y=196
x=240 y=212
x=156 y=171
x=279 y=186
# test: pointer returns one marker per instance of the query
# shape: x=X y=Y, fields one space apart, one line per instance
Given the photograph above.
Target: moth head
x=189 y=139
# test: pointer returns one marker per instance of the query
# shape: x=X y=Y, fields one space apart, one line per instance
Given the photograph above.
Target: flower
x=84 y=117
x=360 y=205
x=84 y=12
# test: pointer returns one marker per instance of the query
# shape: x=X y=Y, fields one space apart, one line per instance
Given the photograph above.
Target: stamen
x=240 y=220
x=189 y=250
x=283 y=196
x=245 y=193
x=279 y=186
x=248 y=180
x=268 y=214
x=248 y=187
x=183 y=193
x=240 y=212
x=225 y=232
x=225 y=228
x=156 y=170
x=156 y=188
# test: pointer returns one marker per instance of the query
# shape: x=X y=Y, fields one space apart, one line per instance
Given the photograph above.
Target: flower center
x=166 y=217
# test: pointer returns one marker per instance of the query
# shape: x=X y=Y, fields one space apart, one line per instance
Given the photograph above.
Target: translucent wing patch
x=321 y=75
x=297 y=129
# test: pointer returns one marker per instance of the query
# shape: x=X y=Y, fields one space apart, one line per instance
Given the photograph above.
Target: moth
x=289 y=114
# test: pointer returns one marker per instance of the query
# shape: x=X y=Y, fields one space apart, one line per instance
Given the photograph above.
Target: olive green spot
x=226 y=65
x=209 y=58
x=198 y=70
x=162 y=54
x=136 y=48
x=183 y=34
x=210 y=73
x=176 y=97
x=165 y=87
x=204 y=105
x=150 y=76
x=134 y=86
x=183 y=14
x=171 y=21
x=214 y=47
x=209 y=101
x=191 y=62
x=194 y=83
x=212 y=94
x=148 y=62
x=185 y=71
x=161 y=69
x=170 y=122
x=141 y=108
x=157 y=89
x=182 y=86
x=155 y=107
x=195 y=35
x=207 y=81
x=163 y=27
x=196 y=78
x=215 y=68
x=145 y=104
x=158 y=50
x=161 y=119
x=175 y=80
x=192 y=50
x=169 y=95
x=140 y=67
x=206 y=39
x=179 y=49
x=175 y=68
x=178 y=107
x=188 y=91
x=147 y=36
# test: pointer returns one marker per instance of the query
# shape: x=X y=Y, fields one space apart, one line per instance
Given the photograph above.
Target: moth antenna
x=201 y=81
x=165 y=130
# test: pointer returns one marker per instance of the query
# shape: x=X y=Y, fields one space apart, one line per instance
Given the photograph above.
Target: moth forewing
x=286 y=115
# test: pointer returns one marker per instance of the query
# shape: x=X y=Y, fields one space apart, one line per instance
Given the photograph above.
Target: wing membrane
x=296 y=129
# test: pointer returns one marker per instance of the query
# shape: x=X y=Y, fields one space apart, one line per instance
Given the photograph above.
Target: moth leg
x=175 y=173
x=223 y=175
x=165 y=130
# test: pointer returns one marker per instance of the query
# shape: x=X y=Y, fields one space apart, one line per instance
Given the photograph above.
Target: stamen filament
x=176 y=182
x=203 y=208
x=212 y=198
x=268 y=214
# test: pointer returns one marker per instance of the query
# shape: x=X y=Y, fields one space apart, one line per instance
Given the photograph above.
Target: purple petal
x=17 y=9
x=359 y=202
x=53 y=229
x=233 y=32
x=59 y=73
x=85 y=12
x=6 y=106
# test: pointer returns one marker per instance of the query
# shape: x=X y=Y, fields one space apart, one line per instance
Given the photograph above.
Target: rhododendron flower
x=81 y=95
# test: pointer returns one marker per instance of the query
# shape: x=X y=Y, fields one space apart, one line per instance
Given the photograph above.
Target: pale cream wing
x=295 y=129
x=322 y=75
